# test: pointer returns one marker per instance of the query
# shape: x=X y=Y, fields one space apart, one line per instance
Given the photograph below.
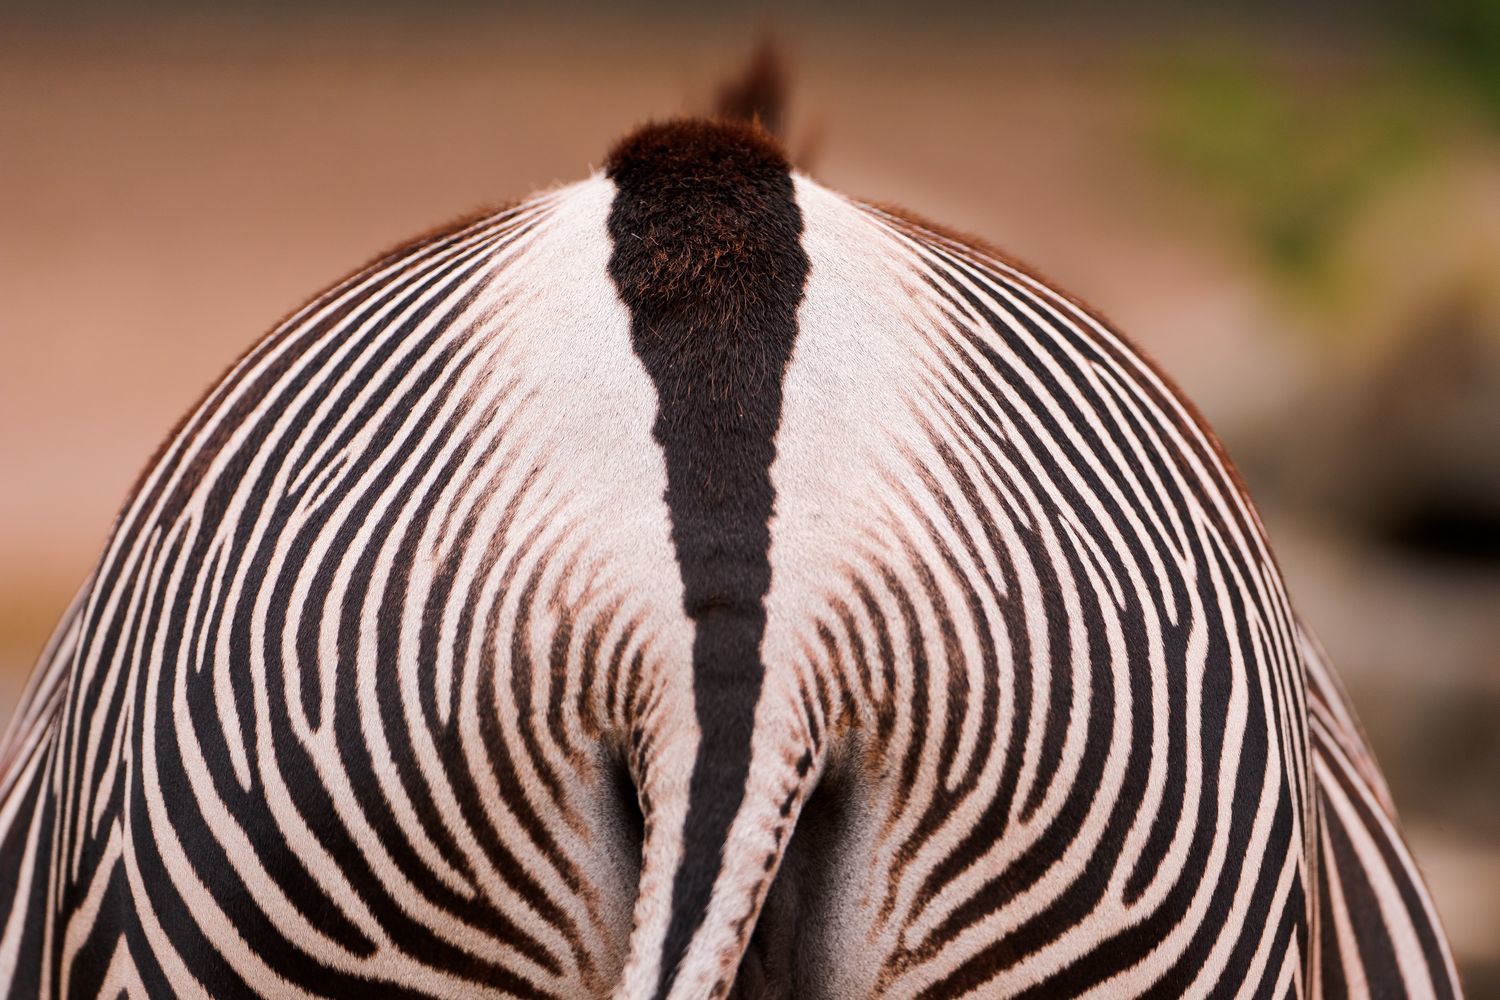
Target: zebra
x=695 y=582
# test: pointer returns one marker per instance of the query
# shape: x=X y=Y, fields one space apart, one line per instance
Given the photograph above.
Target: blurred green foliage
x=1459 y=40
x=1300 y=146
x=1297 y=163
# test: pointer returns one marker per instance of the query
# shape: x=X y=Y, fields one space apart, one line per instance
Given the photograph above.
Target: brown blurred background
x=1298 y=215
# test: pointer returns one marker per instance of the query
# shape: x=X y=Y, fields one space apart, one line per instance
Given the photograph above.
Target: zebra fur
x=404 y=669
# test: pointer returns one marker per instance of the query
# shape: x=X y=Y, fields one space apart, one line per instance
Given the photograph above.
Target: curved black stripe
x=708 y=258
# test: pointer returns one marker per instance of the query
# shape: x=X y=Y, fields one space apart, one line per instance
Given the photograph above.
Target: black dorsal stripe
x=708 y=258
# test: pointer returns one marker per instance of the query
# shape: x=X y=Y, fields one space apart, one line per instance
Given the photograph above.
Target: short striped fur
x=693 y=582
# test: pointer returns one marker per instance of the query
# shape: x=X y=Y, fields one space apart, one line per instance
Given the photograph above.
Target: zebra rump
x=693 y=582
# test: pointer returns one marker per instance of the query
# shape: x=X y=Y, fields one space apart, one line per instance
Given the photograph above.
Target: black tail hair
x=758 y=94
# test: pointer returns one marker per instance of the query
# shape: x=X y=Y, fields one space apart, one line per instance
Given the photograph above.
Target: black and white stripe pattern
x=692 y=581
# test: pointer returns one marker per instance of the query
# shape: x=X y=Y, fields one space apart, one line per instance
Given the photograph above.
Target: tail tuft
x=759 y=93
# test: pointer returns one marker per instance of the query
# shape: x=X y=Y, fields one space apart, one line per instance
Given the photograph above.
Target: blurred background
x=1297 y=214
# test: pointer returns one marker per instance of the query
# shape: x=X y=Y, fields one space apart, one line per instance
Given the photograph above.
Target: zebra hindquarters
x=1059 y=752
x=354 y=690
x=692 y=582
